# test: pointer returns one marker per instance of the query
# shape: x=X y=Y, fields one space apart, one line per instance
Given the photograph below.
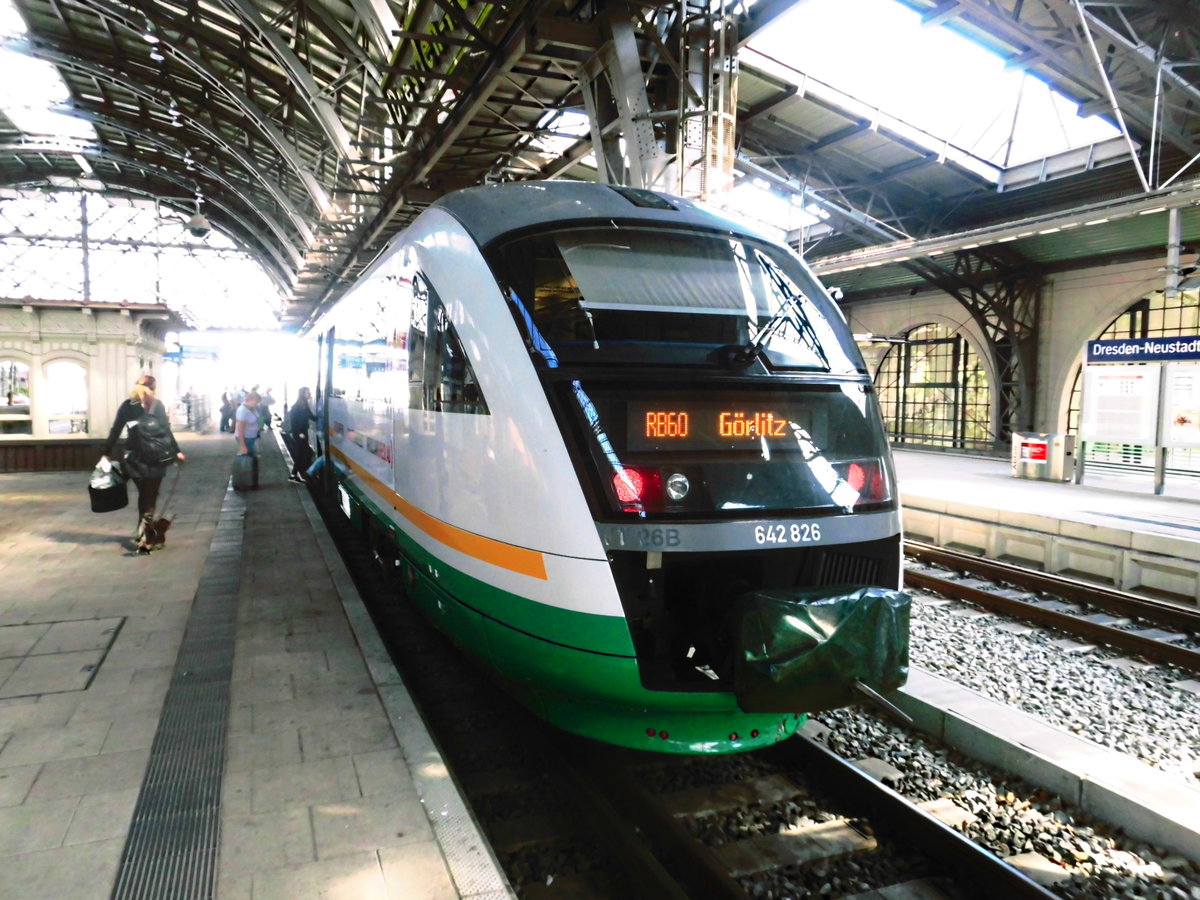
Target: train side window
x=440 y=374
x=417 y=328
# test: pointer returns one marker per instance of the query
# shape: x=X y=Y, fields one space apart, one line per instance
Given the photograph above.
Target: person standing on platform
x=295 y=434
x=246 y=429
x=265 y=408
x=188 y=399
x=150 y=448
x=227 y=410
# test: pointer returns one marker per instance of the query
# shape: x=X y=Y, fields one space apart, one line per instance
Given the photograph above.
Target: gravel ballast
x=1097 y=694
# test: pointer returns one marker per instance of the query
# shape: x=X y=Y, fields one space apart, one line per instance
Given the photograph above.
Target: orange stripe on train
x=496 y=553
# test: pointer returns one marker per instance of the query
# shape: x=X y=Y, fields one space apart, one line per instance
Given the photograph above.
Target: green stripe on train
x=585 y=631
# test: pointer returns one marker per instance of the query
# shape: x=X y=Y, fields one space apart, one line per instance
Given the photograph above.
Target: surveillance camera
x=198 y=226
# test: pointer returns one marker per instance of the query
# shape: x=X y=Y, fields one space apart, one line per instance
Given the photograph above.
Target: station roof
x=313 y=131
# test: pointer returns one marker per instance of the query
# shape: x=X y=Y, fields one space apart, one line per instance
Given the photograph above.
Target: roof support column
x=614 y=87
x=1006 y=306
x=707 y=99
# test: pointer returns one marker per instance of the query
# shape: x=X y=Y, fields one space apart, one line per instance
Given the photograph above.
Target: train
x=623 y=450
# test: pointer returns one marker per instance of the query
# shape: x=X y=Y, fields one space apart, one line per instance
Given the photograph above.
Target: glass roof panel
x=879 y=52
x=32 y=93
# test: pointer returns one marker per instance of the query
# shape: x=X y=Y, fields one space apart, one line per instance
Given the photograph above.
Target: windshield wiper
x=789 y=311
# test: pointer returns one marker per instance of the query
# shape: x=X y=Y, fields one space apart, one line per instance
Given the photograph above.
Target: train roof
x=491 y=211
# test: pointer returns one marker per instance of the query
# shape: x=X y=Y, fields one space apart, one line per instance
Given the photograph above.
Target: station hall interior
x=991 y=192
x=989 y=186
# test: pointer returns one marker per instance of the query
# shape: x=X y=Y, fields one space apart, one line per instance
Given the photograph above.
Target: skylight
x=32 y=93
x=930 y=77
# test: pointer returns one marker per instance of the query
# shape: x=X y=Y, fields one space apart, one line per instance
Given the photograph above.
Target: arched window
x=1155 y=316
x=63 y=397
x=14 y=398
x=934 y=393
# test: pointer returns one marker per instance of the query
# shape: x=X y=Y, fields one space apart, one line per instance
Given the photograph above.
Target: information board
x=1181 y=406
x=1120 y=404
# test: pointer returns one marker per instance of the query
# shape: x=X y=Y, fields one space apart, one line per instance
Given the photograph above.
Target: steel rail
x=698 y=870
x=988 y=874
x=1115 y=601
x=1151 y=648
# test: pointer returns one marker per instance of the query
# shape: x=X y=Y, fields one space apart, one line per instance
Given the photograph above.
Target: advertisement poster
x=1181 y=406
x=1120 y=404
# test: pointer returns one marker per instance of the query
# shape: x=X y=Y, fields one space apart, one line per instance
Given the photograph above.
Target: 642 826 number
x=796 y=533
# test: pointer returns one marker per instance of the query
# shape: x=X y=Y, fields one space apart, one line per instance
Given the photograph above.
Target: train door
x=324 y=384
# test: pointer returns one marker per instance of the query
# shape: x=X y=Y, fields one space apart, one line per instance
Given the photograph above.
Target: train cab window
x=629 y=294
x=440 y=376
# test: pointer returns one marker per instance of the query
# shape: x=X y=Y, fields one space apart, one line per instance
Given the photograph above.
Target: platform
x=218 y=714
x=1112 y=528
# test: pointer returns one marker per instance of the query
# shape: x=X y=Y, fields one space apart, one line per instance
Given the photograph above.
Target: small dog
x=156 y=534
x=153 y=535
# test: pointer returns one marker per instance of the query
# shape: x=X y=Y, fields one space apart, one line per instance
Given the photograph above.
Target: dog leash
x=170 y=496
x=171 y=492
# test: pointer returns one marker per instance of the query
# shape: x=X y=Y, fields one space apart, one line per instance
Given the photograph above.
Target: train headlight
x=678 y=486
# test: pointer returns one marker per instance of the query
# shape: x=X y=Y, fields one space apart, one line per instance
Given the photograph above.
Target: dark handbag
x=107 y=488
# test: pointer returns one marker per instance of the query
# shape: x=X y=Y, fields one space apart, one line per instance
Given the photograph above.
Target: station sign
x=178 y=356
x=1145 y=350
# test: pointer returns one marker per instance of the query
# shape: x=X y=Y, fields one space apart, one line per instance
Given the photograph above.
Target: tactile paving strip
x=171 y=851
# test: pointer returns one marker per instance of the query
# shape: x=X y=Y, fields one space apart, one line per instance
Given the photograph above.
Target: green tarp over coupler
x=803 y=649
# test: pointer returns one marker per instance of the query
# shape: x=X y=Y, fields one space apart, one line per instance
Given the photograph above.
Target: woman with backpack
x=149 y=449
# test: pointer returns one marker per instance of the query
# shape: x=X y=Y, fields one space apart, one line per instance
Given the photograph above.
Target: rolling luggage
x=243 y=472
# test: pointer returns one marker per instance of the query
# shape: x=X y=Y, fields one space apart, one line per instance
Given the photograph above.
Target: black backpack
x=150 y=440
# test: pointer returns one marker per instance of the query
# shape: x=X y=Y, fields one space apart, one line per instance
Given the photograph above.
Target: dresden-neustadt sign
x=1173 y=349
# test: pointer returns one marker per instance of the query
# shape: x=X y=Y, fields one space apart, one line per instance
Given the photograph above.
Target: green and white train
x=628 y=458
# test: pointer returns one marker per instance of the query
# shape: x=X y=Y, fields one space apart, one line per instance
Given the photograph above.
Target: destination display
x=701 y=425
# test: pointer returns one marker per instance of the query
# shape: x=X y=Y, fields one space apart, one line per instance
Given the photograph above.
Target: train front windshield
x=595 y=301
x=596 y=296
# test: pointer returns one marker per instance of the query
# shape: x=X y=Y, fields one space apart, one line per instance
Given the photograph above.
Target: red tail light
x=865 y=476
x=635 y=486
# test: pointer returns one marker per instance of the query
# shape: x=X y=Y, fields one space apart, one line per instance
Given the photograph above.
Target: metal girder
x=614 y=86
x=68 y=57
x=281 y=272
x=420 y=160
x=306 y=87
x=285 y=241
x=376 y=29
x=706 y=128
x=379 y=24
x=102 y=73
x=1003 y=296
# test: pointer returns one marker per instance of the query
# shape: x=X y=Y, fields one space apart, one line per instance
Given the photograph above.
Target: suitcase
x=243 y=472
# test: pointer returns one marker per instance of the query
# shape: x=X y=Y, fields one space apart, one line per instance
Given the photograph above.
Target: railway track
x=569 y=818
x=1155 y=629
x=804 y=818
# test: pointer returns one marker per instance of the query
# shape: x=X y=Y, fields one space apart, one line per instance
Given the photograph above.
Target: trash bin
x=1043 y=457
